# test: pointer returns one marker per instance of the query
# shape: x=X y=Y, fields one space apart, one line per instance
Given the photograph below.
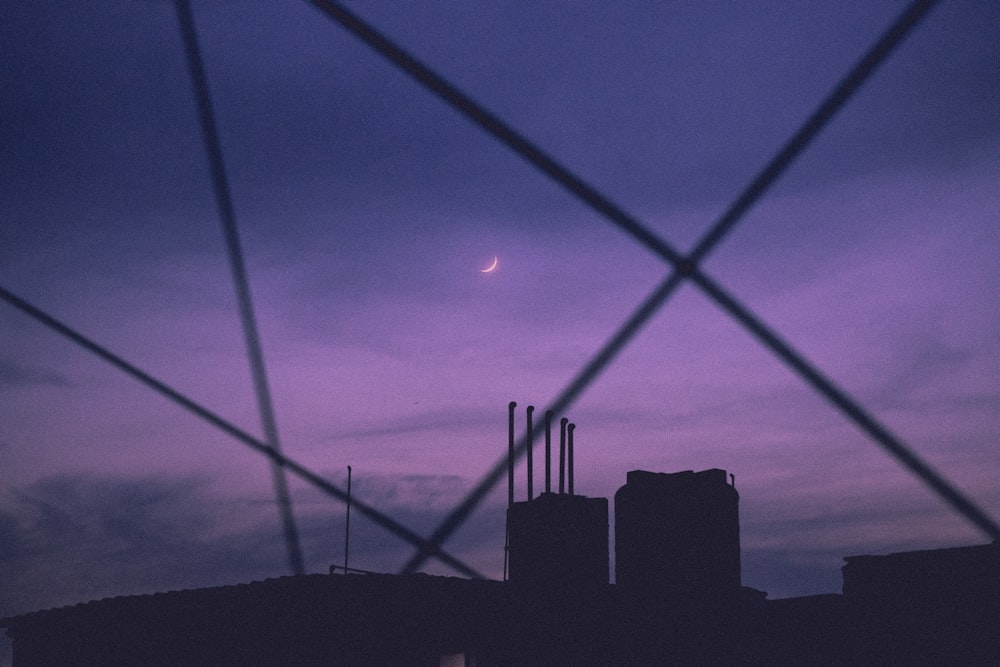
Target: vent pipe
x=347 y=526
x=531 y=444
x=510 y=453
x=562 y=454
x=569 y=457
x=548 y=451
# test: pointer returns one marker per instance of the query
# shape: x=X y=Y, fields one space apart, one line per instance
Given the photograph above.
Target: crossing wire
x=227 y=215
x=296 y=468
x=684 y=267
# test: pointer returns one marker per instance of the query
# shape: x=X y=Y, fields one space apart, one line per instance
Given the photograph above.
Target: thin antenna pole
x=347 y=528
x=531 y=444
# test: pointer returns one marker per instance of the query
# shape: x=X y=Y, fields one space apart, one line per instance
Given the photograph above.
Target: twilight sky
x=367 y=208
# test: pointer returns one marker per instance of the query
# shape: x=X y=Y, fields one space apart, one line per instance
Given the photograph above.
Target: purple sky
x=367 y=208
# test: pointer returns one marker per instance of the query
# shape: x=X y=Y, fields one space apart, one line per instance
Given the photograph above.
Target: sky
x=367 y=209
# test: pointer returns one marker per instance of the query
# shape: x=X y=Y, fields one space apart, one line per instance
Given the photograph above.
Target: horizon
x=368 y=211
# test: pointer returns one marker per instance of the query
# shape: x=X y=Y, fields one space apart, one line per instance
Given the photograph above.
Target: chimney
x=531 y=445
x=562 y=454
x=548 y=451
x=569 y=457
x=510 y=453
x=556 y=543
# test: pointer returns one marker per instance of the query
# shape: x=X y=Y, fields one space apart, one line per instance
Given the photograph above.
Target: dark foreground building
x=678 y=600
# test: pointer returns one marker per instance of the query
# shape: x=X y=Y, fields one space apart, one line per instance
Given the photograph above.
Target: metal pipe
x=569 y=457
x=548 y=451
x=510 y=453
x=562 y=454
x=347 y=528
x=531 y=444
x=237 y=265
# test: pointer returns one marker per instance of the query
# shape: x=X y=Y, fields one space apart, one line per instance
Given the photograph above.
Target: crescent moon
x=490 y=267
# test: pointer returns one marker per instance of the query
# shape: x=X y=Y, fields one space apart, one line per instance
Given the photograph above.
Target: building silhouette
x=678 y=599
x=558 y=542
x=678 y=535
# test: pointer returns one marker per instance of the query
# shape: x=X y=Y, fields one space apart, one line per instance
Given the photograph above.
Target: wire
x=498 y=128
x=563 y=401
x=684 y=266
x=889 y=442
x=846 y=89
x=253 y=443
x=227 y=215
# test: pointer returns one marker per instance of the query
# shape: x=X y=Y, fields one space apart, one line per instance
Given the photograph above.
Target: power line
x=879 y=433
x=227 y=216
x=684 y=266
x=563 y=401
x=843 y=92
x=253 y=443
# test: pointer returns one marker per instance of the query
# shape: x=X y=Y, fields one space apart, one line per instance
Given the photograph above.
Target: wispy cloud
x=72 y=538
x=16 y=375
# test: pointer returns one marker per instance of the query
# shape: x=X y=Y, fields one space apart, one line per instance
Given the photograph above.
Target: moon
x=491 y=267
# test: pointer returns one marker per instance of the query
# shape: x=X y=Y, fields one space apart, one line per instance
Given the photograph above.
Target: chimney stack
x=548 y=451
x=510 y=453
x=562 y=455
x=569 y=457
x=557 y=544
x=531 y=445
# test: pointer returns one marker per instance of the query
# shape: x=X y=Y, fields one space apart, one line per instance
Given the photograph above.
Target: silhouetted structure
x=678 y=536
x=374 y=619
x=677 y=564
x=556 y=542
x=559 y=542
x=939 y=606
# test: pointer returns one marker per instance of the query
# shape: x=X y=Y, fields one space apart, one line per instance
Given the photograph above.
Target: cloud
x=366 y=207
x=71 y=538
x=434 y=420
x=14 y=375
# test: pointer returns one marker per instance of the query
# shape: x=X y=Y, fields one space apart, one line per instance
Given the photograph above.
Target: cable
x=277 y=457
x=684 y=266
x=227 y=215
x=849 y=85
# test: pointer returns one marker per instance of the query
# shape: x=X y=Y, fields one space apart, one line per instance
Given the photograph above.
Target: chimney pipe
x=569 y=457
x=531 y=444
x=510 y=453
x=548 y=451
x=562 y=454
x=347 y=527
